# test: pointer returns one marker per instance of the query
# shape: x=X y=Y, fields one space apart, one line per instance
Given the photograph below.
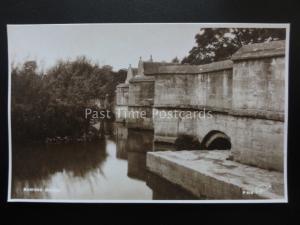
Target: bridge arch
x=216 y=140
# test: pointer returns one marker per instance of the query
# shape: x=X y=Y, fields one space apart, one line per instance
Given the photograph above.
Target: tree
x=214 y=44
x=175 y=60
x=27 y=102
x=52 y=104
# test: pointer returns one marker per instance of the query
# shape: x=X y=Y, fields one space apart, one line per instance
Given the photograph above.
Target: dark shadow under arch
x=216 y=140
x=187 y=142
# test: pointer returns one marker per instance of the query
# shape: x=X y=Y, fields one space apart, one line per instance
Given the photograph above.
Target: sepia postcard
x=148 y=113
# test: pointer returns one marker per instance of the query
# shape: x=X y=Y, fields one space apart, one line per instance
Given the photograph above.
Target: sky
x=117 y=45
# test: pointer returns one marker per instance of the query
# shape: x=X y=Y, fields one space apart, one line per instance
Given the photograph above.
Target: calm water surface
x=111 y=169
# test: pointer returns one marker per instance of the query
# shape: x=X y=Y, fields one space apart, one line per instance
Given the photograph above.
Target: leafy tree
x=26 y=101
x=52 y=104
x=214 y=44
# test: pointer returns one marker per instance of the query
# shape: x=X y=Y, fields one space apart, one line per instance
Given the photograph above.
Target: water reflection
x=164 y=190
x=81 y=171
x=138 y=144
x=121 y=135
x=133 y=145
x=35 y=166
x=112 y=168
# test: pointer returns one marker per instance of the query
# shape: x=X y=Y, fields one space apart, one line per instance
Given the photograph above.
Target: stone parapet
x=261 y=50
x=190 y=69
x=138 y=79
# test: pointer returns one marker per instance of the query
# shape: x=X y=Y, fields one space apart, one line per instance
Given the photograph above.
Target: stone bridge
x=238 y=103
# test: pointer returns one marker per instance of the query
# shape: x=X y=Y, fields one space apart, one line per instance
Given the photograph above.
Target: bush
x=52 y=104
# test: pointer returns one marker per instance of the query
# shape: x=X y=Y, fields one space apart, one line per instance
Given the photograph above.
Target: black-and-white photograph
x=144 y=112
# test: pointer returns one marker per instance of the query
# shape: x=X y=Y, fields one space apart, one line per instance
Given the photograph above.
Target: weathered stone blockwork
x=258 y=91
x=194 y=86
x=141 y=94
x=121 y=102
x=258 y=73
x=246 y=97
x=257 y=142
x=135 y=98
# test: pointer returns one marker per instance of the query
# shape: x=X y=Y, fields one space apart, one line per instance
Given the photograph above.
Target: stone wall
x=141 y=94
x=122 y=94
x=141 y=91
x=254 y=141
x=185 y=86
x=258 y=92
x=245 y=96
x=122 y=97
x=258 y=73
x=135 y=97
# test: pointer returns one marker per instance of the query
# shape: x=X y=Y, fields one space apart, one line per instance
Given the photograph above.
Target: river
x=113 y=168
